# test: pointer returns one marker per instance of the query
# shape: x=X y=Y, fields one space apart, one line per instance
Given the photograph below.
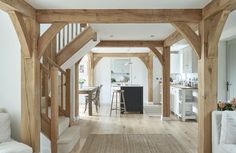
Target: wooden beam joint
x=189 y=34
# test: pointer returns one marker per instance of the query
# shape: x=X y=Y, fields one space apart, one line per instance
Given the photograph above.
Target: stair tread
x=70 y=134
x=63 y=124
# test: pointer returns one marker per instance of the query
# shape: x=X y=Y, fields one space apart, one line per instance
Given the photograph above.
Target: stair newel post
x=54 y=109
x=68 y=73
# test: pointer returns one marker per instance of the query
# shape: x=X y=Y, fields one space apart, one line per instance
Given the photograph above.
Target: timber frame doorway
x=211 y=19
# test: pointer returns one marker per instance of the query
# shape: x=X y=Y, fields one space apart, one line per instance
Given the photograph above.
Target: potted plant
x=81 y=82
x=223 y=106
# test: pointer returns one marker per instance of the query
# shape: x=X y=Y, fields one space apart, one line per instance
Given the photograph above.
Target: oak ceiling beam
x=158 y=54
x=128 y=43
x=217 y=6
x=119 y=15
x=98 y=55
x=22 y=32
x=19 y=6
x=176 y=36
x=189 y=34
x=75 y=45
x=48 y=36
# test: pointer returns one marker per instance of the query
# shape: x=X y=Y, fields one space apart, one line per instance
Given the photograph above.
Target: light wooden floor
x=102 y=123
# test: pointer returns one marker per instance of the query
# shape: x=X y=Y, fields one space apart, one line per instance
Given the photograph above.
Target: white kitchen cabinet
x=174 y=100
x=182 y=102
x=189 y=61
x=175 y=63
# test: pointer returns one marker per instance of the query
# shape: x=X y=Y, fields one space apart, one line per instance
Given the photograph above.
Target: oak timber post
x=91 y=69
x=68 y=96
x=210 y=30
x=54 y=109
x=166 y=83
x=150 y=78
x=28 y=29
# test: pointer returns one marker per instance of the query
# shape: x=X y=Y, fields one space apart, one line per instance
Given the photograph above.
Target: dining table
x=89 y=91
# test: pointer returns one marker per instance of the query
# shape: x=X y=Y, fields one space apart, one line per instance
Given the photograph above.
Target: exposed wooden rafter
x=130 y=43
x=75 y=45
x=157 y=53
x=48 y=36
x=19 y=6
x=120 y=15
x=193 y=39
x=22 y=32
x=217 y=6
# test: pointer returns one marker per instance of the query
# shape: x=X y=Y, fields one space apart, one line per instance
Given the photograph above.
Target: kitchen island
x=133 y=97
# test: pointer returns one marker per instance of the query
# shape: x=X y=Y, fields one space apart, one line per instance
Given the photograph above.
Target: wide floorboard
x=102 y=123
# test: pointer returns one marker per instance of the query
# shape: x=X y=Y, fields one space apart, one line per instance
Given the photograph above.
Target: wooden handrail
x=50 y=61
x=44 y=68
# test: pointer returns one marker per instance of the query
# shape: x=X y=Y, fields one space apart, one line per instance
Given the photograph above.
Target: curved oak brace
x=96 y=60
x=48 y=36
x=218 y=21
x=23 y=35
x=145 y=61
x=176 y=36
x=217 y=6
x=158 y=54
x=70 y=49
x=193 y=39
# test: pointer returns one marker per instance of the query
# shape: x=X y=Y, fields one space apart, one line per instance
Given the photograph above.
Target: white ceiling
x=117 y=4
x=133 y=31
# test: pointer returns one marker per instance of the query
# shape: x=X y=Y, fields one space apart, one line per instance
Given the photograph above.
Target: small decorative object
x=81 y=68
x=223 y=106
x=81 y=82
x=113 y=80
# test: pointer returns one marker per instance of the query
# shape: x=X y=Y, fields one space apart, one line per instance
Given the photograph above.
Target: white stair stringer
x=80 y=54
x=68 y=139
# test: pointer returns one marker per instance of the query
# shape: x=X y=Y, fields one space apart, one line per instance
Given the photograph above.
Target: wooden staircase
x=56 y=114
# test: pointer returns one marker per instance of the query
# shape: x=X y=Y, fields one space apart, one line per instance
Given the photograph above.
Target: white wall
x=157 y=75
x=10 y=77
x=102 y=75
x=222 y=71
x=140 y=76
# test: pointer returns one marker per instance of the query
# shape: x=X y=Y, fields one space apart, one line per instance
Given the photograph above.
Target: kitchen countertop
x=127 y=85
x=183 y=87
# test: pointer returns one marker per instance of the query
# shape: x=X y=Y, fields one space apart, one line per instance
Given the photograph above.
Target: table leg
x=90 y=105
